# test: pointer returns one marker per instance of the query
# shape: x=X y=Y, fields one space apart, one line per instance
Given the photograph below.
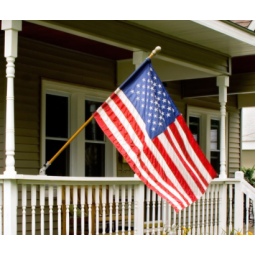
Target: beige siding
x=35 y=61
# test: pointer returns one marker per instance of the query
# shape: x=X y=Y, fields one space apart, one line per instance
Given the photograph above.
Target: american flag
x=141 y=120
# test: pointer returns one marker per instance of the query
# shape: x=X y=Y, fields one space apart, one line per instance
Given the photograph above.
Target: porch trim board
x=135 y=38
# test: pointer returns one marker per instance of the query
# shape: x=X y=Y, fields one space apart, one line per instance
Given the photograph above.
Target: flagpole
x=47 y=164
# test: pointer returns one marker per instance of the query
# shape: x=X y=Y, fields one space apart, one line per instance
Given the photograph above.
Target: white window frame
x=77 y=96
x=205 y=116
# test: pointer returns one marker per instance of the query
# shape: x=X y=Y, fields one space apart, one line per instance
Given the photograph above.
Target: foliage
x=235 y=232
x=248 y=175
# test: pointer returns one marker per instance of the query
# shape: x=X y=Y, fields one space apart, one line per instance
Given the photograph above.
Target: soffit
x=220 y=37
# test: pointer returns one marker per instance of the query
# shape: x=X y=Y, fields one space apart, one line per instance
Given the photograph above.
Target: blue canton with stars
x=150 y=98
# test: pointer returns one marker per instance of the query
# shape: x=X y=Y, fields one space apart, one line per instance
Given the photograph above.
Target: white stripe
x=182 y=155
x=115 y=132
x=139 y=145
x=152 y=147
x=182 y=169
x=192 y=153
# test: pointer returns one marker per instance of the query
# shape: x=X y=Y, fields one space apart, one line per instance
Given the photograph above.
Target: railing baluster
x=24 y=205
x=153 y=211
x=89 y=210
x=129 y=208
x=110 y=203
x=33 y=205
x=230 y=209
x=211 y=198
x=247 y=213
x=189 y=223
x=67 y=208
x=82 y=209
x=159 y=213
x=194 y=219
x=59 y=204
x=174 y=223
x=1 y=208
x=164 y=216
x=104 y=204
x=203 y=215
x=148 y=198
x=51 y=208
x=184 y=217
x=169 y=217
x=216 y=209
x=75 y=201
x=42 y=204
x=207 y=210
x=253 y=203
x=116 y=193
x=198 y=216
x=123 y=198
x=179 y=222
x=97 y=209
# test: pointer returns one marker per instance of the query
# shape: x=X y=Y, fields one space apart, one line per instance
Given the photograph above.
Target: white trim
x=252 y=25
x=229 y=30
x=248 y=145
x=77 y=96
x=205 y=116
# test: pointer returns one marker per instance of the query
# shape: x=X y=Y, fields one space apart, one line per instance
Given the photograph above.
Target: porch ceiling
x=221 y=36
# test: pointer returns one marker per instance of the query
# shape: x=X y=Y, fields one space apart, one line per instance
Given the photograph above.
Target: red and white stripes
x=171 y=164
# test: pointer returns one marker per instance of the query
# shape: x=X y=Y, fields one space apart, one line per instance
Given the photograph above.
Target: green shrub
x=248 y=175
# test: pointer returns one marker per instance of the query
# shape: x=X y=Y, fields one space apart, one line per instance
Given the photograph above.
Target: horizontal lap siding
x=36 y=61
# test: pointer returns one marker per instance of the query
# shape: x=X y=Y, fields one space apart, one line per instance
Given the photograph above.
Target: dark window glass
x=194 y=126
x=215 y=145
x=60 y=166
x=215 y=161
x=56 y=116
x=215 y=134
x=92 y=131
x=94 y=160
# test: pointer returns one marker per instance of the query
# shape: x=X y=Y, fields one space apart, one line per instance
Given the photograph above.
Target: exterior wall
x=36 y=60
x=248 y=158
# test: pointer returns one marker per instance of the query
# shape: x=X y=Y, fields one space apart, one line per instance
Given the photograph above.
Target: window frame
x=77 y=96
x=206 y=115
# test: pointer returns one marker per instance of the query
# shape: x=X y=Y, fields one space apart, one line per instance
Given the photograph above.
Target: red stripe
x=196 y=148
x=128 y=159
x=186 y=166
x=174 y=169
x=115 y=120
x=146 y=149
x=178 y=138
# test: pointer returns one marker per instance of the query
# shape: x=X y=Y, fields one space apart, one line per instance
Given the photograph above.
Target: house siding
x=37 y=60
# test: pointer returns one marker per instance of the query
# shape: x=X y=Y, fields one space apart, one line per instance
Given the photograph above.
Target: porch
x=42 y=205
x=31 y=204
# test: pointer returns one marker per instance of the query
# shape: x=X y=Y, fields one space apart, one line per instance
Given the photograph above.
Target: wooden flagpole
x=47 y=164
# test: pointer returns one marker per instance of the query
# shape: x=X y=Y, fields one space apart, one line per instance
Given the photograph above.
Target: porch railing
x=118 y=206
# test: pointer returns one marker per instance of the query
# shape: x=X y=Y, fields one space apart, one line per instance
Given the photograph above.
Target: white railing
x=118 y=206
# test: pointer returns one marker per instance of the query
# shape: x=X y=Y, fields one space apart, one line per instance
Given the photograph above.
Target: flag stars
x=149 y=121
x=164 y=100
x=143 y=79
x=137 y=92
x=160 y=124
x=138 y=85
x=138 y=98
x=154 y=122
x=159 y=85
x=132 y=91
x=153 y=129
x=168 y=115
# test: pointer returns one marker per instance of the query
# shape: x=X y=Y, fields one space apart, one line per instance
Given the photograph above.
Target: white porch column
x=11 y=28
x=223 y=83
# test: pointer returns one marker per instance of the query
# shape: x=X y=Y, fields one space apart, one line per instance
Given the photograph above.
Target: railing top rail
x=248 y=189
x=71 y=180
x=225 y=181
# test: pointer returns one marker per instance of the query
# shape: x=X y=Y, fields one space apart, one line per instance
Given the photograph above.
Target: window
x=205 y=127
x=64 y=109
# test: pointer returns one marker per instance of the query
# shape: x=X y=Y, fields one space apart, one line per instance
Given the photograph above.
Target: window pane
x=92 y=131
x=60 y=166
x=194 y=126
x=215 y=160
x=94 y=160
x=56 y=116
x=215 y=134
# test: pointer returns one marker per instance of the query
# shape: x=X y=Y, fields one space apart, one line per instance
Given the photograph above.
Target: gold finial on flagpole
x=155 y=51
